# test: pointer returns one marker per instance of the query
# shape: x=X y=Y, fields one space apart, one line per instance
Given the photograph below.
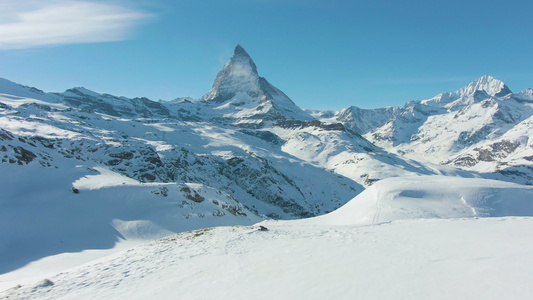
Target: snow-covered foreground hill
x=416 y=259
x=410 y=238
x=38 y=222
x=425 y=197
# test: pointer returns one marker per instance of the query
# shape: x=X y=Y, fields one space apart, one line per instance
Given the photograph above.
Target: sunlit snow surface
x=424 y=197
x=415 y=237
x=417 y=259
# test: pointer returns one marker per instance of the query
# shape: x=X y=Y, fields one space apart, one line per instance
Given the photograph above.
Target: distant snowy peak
x=478 y=90
x=240 y=56
x=80 y=92
x=525 y=95
x=364 y=120
x=489 y=84
x=238 y=75
x=240 y=93
x=482 y=127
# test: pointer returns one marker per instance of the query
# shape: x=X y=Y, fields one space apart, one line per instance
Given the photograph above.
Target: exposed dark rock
x=122 y=155
x=265 y=136
x=44 y=141
x=147 y=177
x=262 y=228
x=302 y=124
x=36 y=106
x=504 y=147
x=192 y=195
x=113 y=162
x=485 y=155
x=6 y=136
x=465 y=161
x=24 y=155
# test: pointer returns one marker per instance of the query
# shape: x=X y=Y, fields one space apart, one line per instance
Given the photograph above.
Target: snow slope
x=415 y=259
x=47 y=218
x=409 y=238
x=426 y=197
x=346 y=153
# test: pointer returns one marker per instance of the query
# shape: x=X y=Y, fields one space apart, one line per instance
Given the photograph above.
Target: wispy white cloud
x=44 y=23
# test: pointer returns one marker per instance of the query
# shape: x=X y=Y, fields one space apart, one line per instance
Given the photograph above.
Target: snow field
x=48 y=219
x=411 y=259
x=425 y=197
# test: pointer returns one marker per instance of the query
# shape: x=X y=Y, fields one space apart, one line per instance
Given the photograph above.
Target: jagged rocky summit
x=242 y=96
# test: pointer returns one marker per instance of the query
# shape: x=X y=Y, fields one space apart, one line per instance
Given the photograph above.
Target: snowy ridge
x=526 y=95
x=489 y=84
x=10 y=88
x=471 y=93
x=508 y=156
x=364 y=120
x=346 y=153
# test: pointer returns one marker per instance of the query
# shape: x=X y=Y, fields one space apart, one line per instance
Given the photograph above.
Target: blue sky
x=322 y=54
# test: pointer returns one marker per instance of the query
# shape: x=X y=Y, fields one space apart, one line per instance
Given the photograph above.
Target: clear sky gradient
x=322 y=54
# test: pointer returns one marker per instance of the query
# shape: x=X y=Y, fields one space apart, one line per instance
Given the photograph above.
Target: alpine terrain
x=242 y=194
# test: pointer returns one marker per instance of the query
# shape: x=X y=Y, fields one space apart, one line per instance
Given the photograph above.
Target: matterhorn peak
x=241 y=60
x=487 y=83
x=239 y=51
x=238 y=75
x=240 y=93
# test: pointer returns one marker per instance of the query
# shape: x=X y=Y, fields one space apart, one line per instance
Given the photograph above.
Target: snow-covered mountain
x=364 y=120
x=456 y=129
x=246 y=99
x=84 y=170
x=153 y=169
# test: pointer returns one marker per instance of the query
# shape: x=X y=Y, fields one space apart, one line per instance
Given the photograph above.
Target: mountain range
x=108 y=168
